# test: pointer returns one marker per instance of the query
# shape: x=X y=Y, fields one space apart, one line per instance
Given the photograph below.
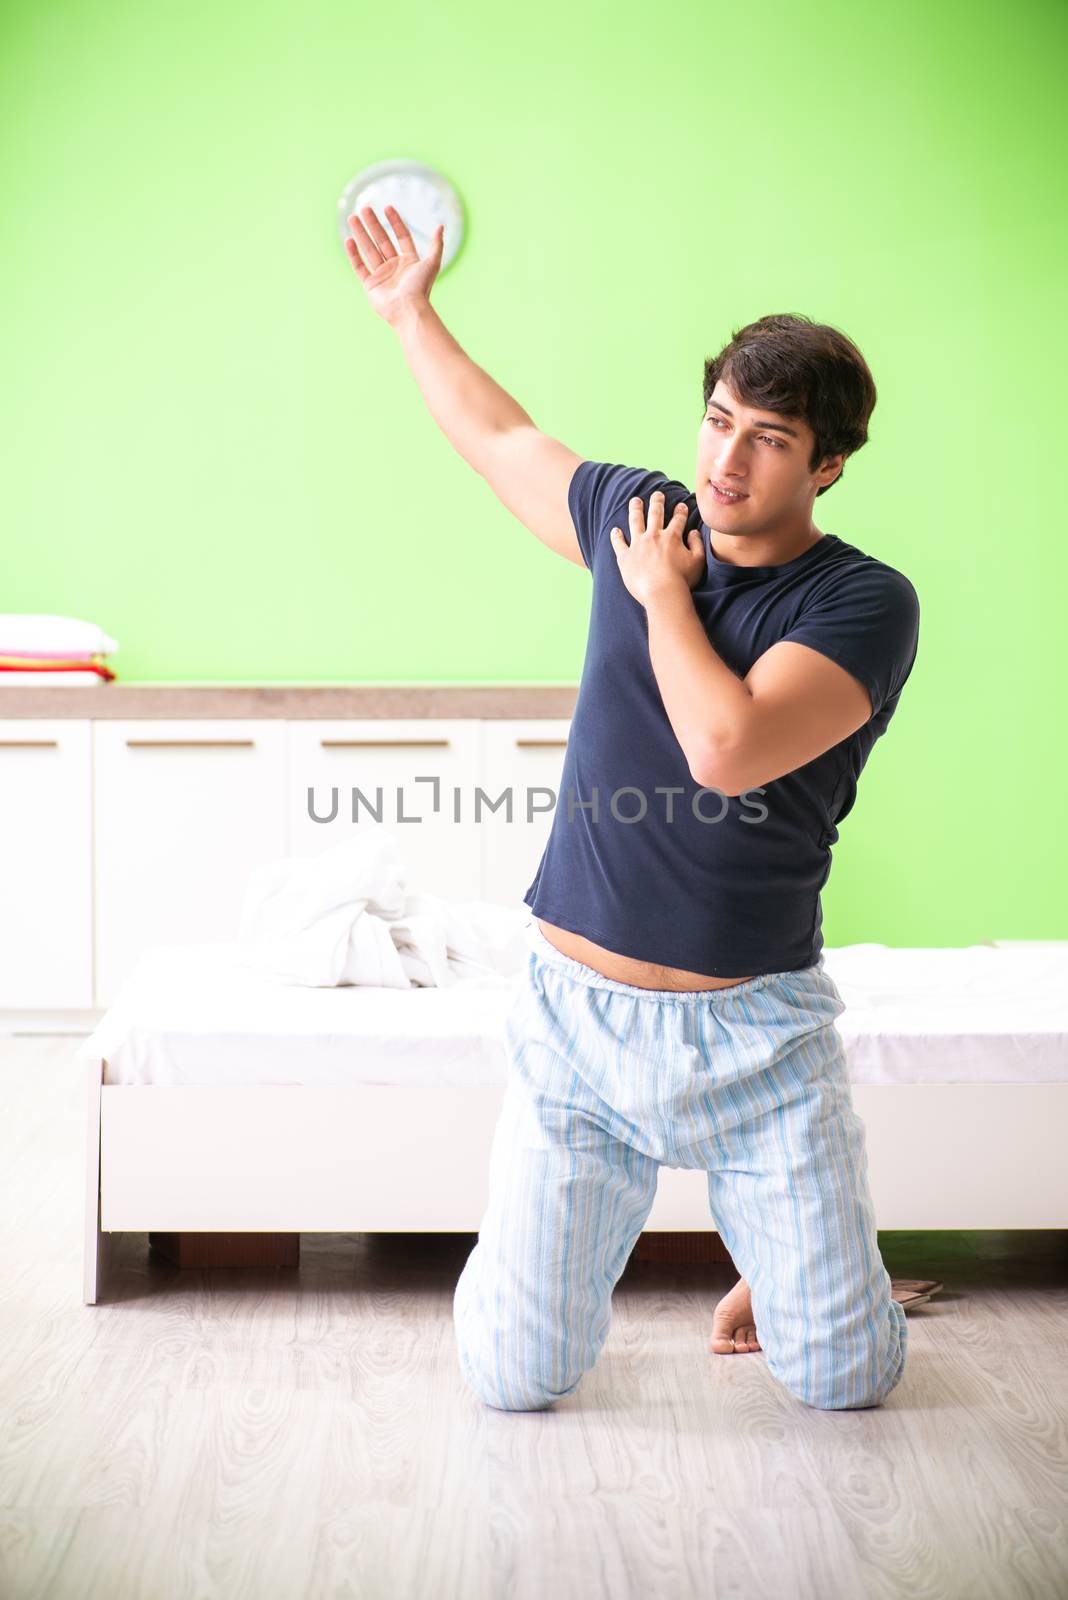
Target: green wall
x=214 y=448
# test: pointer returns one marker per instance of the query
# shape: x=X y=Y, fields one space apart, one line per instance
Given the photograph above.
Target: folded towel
x=346 y=917
x=54 y=680
x=43 y=634
x=76 y=669
x=67 y=657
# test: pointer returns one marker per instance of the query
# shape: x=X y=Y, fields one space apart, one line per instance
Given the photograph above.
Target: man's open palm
x=394 y=279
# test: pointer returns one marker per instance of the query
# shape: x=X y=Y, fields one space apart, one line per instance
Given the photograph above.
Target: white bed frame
x=378 y=1158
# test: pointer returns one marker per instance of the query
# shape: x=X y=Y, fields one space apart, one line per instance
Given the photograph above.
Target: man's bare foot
x=734 y=1331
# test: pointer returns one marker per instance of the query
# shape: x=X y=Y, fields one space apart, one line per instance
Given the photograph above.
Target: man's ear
x=831 y=467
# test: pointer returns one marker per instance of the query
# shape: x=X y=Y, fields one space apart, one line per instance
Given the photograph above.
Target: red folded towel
x=25 y=665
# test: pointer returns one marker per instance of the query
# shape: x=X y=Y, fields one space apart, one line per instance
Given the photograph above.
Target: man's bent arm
x=706 y=703
x=794 y=704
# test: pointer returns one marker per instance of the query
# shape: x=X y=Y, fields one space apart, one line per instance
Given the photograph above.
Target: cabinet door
x=184 y=811
x=416 y=777
x=46 y=950
x=524 y=758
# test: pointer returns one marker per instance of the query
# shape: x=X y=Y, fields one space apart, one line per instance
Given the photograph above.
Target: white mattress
x=988 y=1013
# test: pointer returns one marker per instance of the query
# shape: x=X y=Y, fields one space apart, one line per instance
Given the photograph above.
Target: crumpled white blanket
x=346 y=917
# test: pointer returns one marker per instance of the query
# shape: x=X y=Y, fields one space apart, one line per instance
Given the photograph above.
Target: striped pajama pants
x=607 y=1082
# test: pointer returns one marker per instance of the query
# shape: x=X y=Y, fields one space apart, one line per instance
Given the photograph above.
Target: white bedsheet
x=191 y=1014
x=347 y=917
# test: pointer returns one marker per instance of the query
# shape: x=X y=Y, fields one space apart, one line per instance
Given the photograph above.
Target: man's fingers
x=378 y=233
x=404 y=238
x=370 y=279
x=354 y=256
x=372 y=256
x=636 y=513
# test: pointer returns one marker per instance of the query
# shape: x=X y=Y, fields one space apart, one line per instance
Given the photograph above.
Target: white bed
x=221 y=1099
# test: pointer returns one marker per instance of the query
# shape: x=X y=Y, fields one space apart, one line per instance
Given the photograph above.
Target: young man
x=740 y=666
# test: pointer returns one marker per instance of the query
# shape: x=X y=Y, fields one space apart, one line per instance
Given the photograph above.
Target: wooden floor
x=305 y=1432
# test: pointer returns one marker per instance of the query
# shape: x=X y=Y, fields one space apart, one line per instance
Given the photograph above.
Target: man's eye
x=776 y=442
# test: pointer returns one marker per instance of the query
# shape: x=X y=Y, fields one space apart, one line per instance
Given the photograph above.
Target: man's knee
x=844 y=1380
x=512 y=1391
x=847 y=1392
x=499 y=1366
x=515 y=1354
x=503 y=1376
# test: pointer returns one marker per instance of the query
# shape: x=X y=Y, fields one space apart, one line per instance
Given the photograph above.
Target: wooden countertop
x=288 y=701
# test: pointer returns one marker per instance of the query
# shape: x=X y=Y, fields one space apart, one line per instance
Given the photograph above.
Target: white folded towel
x=47 y=680
x=46 y=634
x=346 y=917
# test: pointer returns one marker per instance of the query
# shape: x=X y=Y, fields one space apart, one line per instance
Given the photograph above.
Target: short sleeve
x=598 y=496
x=869 y=623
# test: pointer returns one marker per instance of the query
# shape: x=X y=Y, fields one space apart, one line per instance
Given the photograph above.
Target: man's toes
x=742 y=1340
x=722 y=1333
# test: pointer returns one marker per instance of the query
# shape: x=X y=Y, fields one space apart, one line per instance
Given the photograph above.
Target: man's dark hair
x=803 y=369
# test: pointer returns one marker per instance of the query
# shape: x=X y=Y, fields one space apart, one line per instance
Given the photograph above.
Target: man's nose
x=731 y=462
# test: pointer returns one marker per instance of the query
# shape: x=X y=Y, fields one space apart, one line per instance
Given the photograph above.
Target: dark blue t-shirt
x=728 y=887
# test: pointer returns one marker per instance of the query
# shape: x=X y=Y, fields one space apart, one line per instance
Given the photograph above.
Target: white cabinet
x=119 y=835
x=183 y=812
x=45 y=864
x=521 y=764
x=416 y=777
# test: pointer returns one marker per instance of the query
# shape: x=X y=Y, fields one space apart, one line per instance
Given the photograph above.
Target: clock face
x=423 y=196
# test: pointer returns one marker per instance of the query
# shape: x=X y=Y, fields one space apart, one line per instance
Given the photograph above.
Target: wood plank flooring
x=305 y=1432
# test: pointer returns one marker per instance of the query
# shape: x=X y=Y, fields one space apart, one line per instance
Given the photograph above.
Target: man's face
x=762 y=456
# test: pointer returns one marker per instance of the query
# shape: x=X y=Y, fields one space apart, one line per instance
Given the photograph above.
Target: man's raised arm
x=527 y=470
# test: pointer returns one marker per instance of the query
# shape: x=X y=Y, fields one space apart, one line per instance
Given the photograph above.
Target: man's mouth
x=726 y=497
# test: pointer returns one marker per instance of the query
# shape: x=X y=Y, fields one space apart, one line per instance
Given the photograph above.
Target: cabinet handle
x=373 y=744
x=541 y=744
x=189 y=744
x=29 y=744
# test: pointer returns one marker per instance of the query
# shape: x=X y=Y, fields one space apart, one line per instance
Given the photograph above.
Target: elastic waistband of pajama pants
x=578 y=972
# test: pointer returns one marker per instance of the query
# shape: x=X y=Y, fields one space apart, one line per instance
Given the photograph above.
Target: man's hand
x=657 y=559
x=395 y=280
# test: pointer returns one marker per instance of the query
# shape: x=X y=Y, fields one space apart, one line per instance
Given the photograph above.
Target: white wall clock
x=422 y=195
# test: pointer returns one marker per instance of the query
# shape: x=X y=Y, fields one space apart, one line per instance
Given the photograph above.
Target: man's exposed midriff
x=624 y=969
